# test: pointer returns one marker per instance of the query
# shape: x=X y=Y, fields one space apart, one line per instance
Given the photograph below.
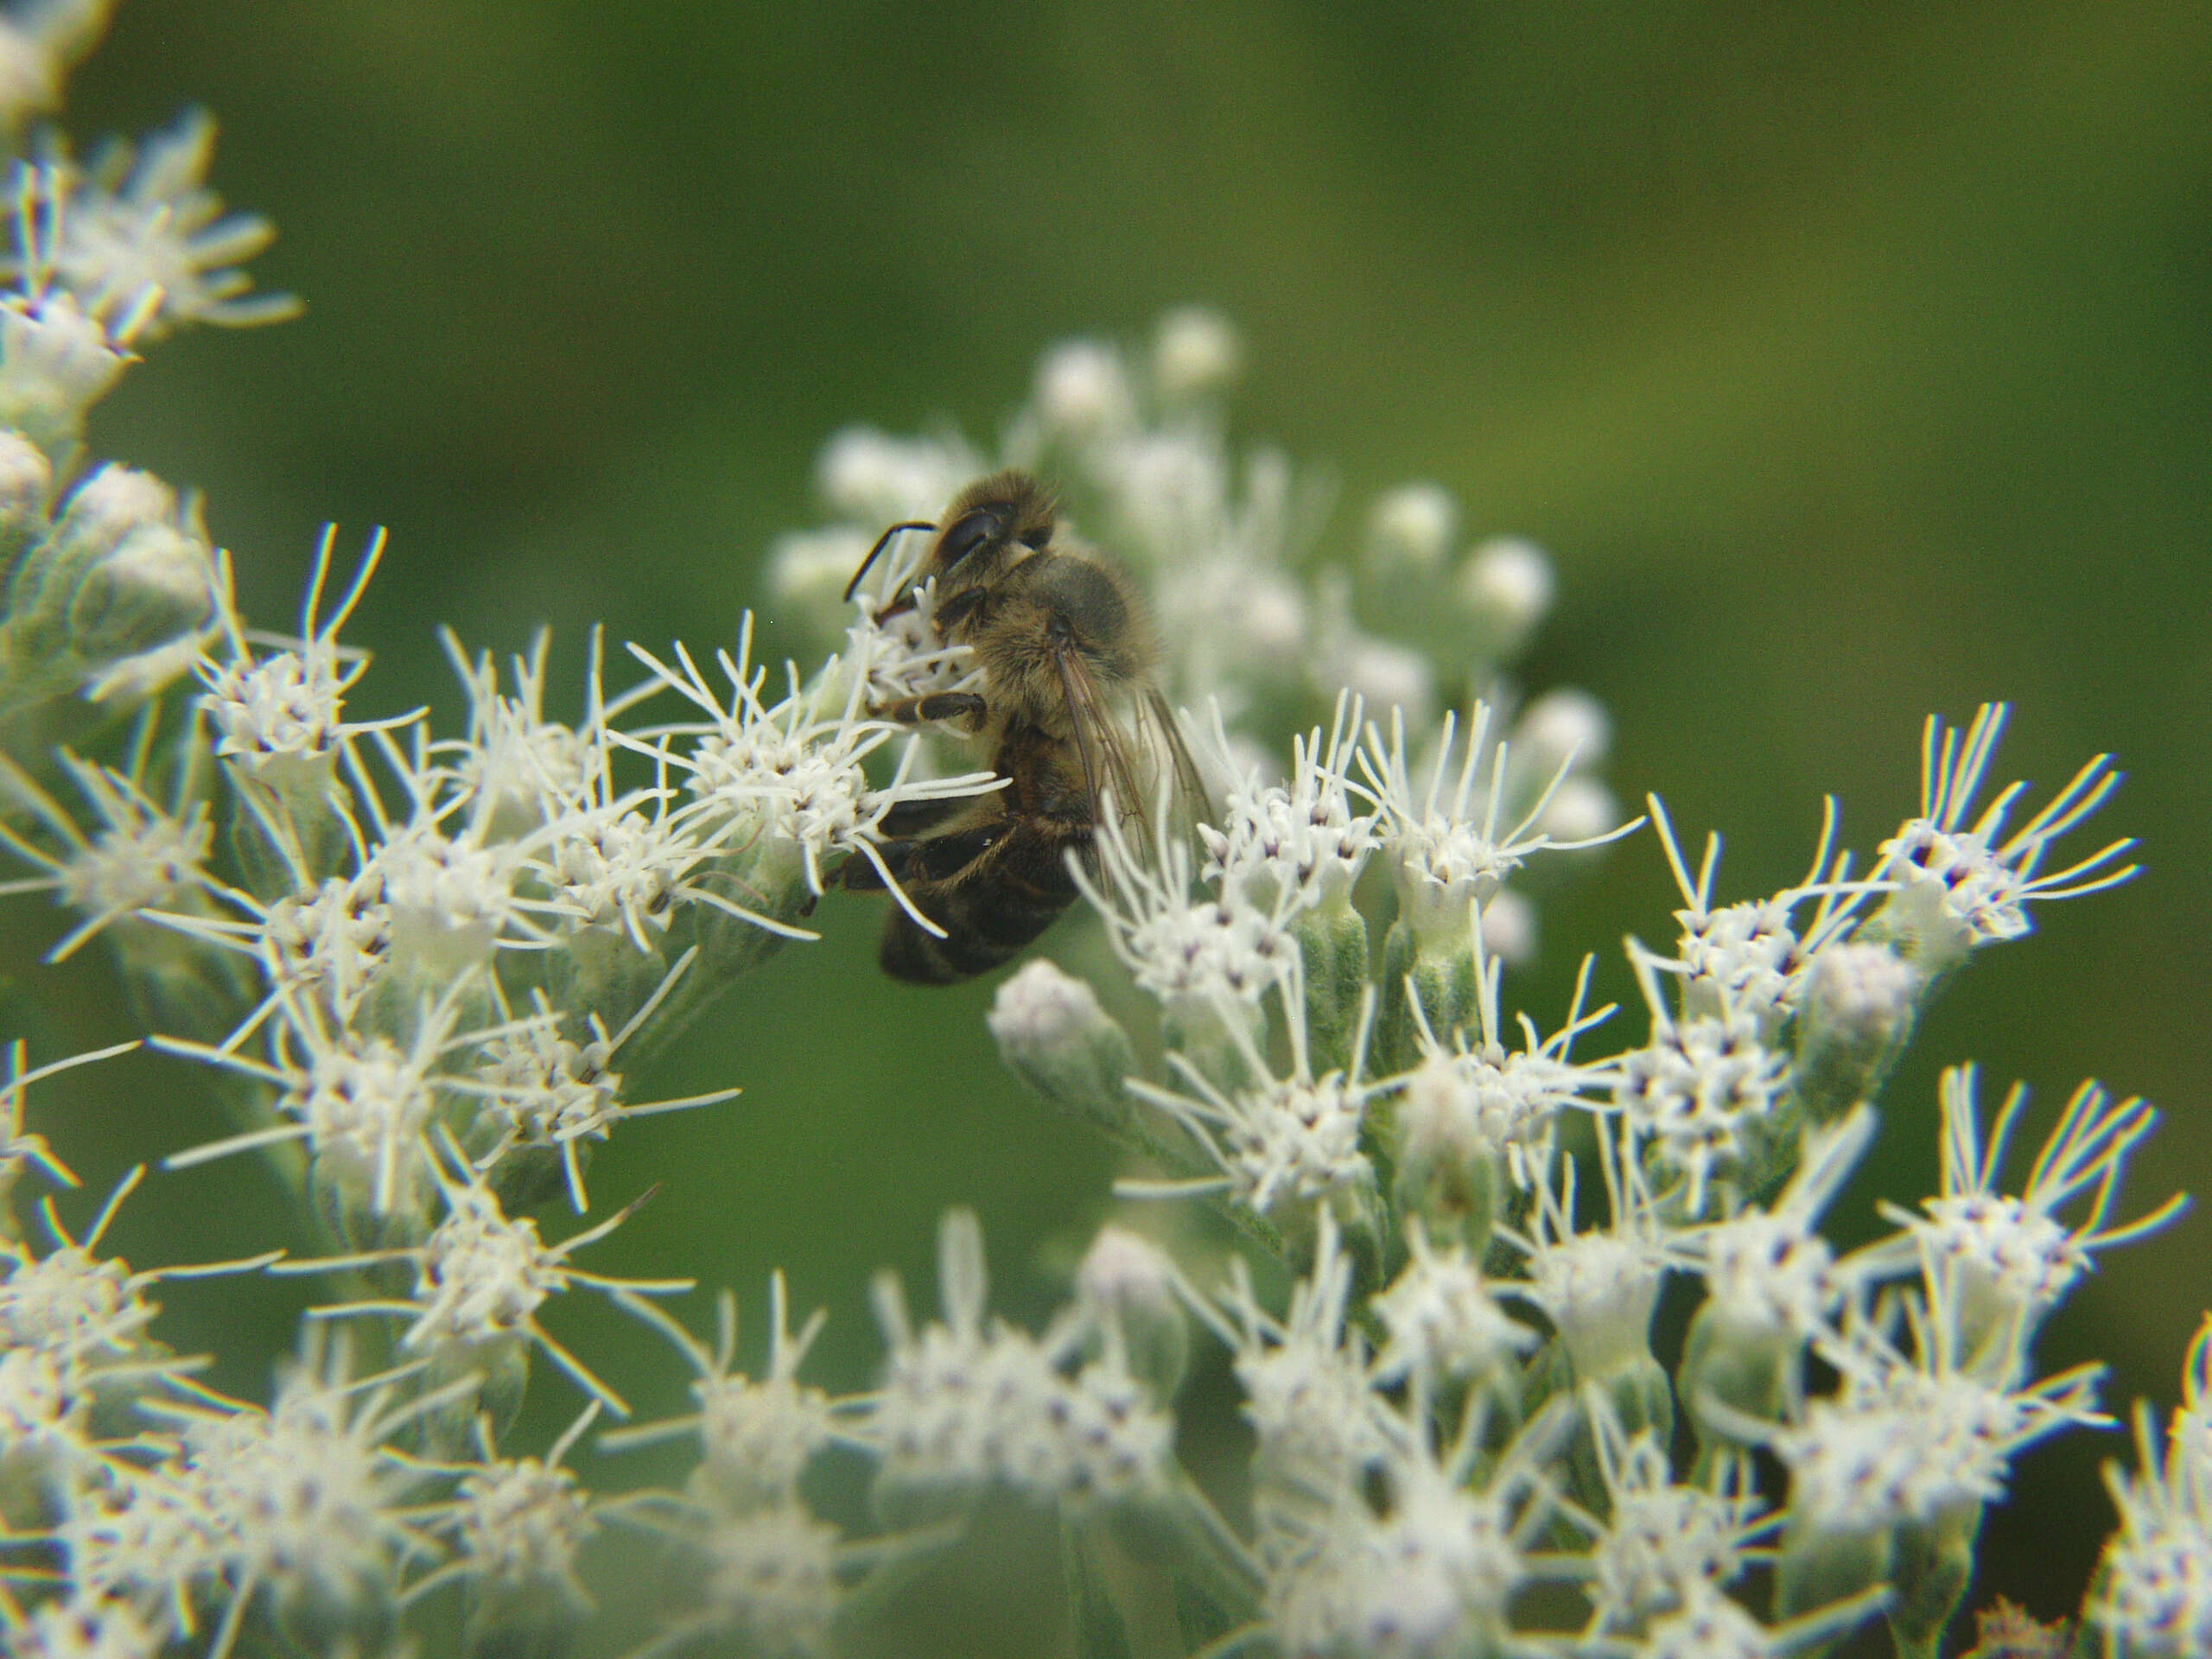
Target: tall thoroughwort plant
x=1428 y=1233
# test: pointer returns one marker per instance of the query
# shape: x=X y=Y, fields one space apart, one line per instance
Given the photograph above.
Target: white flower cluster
x=1427 y=1184
x=423 y=971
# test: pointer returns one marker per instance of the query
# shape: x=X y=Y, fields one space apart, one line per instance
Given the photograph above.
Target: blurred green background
x=1852 y=361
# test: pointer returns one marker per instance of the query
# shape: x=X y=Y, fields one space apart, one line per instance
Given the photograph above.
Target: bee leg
x=930 y=858
x=932 y=708
x=911 y=818
x=965 y=606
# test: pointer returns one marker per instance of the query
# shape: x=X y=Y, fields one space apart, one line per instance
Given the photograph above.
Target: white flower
x=1698 y=1095
x=277 y=718
x=145 y=855
x=964 y=1405
x=1194 y=955
x=145 y=223
x=1083 y=389
x=876 y=479
x=1909 y=1435
x=1278 y=1141
x=1412 y=524
x=1957 y=876
x=771 y=1585
x=83 y=1627
x=449 y=901
x=55 y=363
x=2011 y=1260
x=1749 y=956
x=1303 y=838
x=894 y=648
x=1510 y=581
x=361 y=1102
x=539 y=1091
x=2152 y=1593
x=1426 y=1568
x=86 y=1315
x=479 y=1279
x=756 y=1437
x=1474 y=1097
x=304 y=1501
x=1710 y=1626
x=516 y=767
x=1195 y=352
x=1598 y=1288
x=1662 y=1544
x=323 y=947
x=1444 y=1323
x=788 y=773
x=1305 y=1375
x=1444 y=856
x=38 y=44
x=1768 y=1274
x=517 y=1524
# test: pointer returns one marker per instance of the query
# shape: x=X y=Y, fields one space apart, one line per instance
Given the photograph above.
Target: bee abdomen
x=999 y=903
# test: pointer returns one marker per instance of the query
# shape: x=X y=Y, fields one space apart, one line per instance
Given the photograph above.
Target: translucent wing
x=1111 y=776
x=1128 y=761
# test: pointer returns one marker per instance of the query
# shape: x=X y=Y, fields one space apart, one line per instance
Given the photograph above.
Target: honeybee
x=1067 y=713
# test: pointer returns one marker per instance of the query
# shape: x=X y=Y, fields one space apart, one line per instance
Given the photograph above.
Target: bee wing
x=1193 y=805
x=1110 y=776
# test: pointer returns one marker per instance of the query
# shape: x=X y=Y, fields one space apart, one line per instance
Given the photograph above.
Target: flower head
x=1445 y=841
x=1961 y=882
x=144 y=222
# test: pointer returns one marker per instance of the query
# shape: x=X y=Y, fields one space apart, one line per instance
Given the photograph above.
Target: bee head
x=993 y=524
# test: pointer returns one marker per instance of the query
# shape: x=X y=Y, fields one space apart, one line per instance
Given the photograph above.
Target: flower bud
x=1508 y=583
x=807 y=574
x=26 y=479
x=1083 y=389
x=1856 y=1015
x=1386 y=675
x=877 y=478
x=157 y=586
x=1053 y=1034
x=1447 y=1170
x=117 y=594
x=1560 y=724
x=1126 y=1284
x=1412 y=525
x=1508 y=927
x=55 y=363
x=1195 y=352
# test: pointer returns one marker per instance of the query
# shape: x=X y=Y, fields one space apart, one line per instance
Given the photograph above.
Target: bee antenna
x=882 y=541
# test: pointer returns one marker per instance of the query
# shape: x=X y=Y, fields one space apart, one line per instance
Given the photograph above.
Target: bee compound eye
x=968 y=533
